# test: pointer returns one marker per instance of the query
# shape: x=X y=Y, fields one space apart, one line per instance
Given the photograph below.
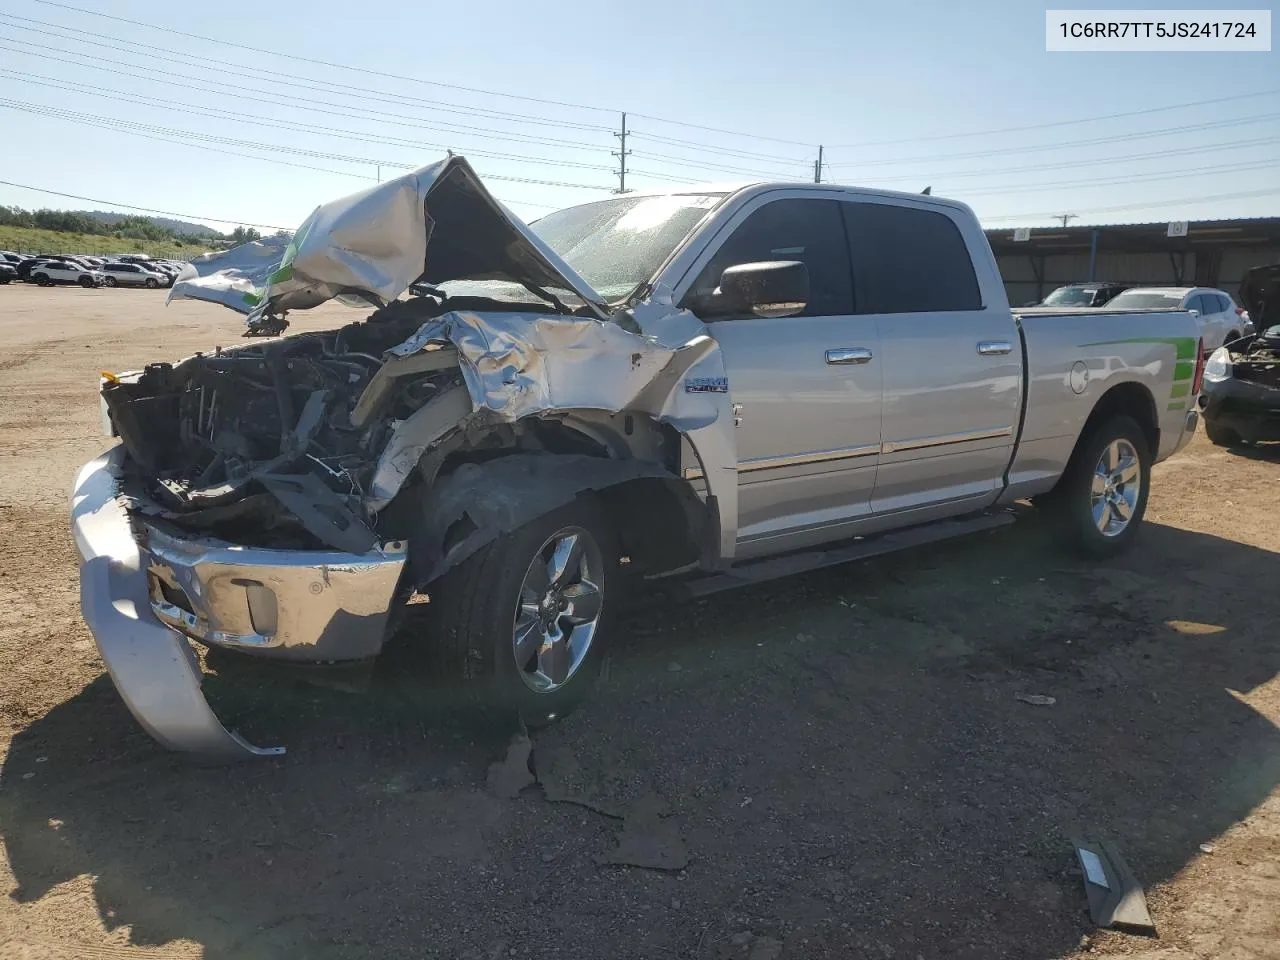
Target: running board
x=771 y=568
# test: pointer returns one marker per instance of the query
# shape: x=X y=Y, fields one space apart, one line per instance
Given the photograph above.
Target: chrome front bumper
x=142 y=600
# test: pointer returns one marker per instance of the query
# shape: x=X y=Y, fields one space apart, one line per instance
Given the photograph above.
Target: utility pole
x=379 y=173
x=1064 y=217
x=622 y=153
x=817 y=166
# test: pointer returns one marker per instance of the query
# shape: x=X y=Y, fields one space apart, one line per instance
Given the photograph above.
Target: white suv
x=1220 y=320
x=53 y=272
x=134 y=275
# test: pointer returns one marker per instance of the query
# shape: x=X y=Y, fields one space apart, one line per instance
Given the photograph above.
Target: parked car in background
x=134 y=275
x=8 y=272
x=53 y=272
x=8 y=256
x=1241 y=398
x=1220 y=320
x=1083 y=295
x=25 y=265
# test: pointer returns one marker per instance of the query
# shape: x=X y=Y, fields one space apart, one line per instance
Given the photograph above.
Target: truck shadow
x=844 y=755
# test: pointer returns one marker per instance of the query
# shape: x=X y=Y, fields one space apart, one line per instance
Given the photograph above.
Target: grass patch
x=32 y=240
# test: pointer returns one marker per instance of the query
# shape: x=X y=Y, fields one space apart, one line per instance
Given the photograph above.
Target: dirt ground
x=835 y=765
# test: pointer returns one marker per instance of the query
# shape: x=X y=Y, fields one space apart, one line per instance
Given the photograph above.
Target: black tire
x=109 y=281
x=151 y=283
x=473 y=612
x=42 y=280
x=1221 y=435
x=86 y=282
x=1070 y=507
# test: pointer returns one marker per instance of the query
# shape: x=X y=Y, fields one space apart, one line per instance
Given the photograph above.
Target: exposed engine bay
x=1259 y=361
x=277 y=442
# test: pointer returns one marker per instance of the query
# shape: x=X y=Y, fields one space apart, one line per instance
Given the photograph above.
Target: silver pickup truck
x=708 y=387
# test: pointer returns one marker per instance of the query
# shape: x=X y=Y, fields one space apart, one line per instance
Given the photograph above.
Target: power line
x=129 y=206
x=699 y=126
x=239 y=116
x=323 y=63
x=1137 y=178
x=1071 y=164
x=1052 y=123
x=714 y=148
x=133 y=127
x=416 y=80
x=202 y=85
x=207 y=63
x=709 y=166
x=1066 y=144
x=1144 y=206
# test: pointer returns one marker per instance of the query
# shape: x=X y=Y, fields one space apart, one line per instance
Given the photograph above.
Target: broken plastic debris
x=1037 y=699
x=1115 y=897
x=1206 y=848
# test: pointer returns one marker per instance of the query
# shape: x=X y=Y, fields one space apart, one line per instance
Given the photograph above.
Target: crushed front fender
x=152 y=666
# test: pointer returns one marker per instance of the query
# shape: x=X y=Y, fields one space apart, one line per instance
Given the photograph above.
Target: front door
x=806 y=388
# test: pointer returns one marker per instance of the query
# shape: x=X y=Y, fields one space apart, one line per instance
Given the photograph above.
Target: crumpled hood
x=1260 y=293
x=436 y=224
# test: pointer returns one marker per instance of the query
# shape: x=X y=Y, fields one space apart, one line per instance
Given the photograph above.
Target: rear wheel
x=525 y=619
x=151 y=283
x=1098 y=504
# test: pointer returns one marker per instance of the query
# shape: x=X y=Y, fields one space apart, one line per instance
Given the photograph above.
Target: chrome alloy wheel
x=1117 y=484
x=559 y=608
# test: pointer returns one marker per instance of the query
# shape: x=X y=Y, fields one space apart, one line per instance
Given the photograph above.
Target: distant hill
x=177 y=226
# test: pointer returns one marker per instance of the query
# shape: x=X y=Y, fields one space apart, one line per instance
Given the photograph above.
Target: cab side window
x=909 y=260
x=808 y=230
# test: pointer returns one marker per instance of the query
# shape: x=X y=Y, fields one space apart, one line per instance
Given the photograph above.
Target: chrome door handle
x=848 y=355
x=994 y=348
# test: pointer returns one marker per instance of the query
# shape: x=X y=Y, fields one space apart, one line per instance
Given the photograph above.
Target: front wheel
x=86 y=282
x=524 y=621
x=151 y=283
x=110 y=281
x=1098 y=504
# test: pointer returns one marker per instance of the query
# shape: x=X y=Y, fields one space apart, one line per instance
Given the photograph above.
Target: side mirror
x=769 y=288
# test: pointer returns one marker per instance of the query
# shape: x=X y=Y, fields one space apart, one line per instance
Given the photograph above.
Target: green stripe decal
x=1179 y=390
x=1184 y=347
x=1178 y=405
x=1183 y=370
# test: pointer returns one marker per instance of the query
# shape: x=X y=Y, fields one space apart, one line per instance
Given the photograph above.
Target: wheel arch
x=661 y=522
x=1130 y=399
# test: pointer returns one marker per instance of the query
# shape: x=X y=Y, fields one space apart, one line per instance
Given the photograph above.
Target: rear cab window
x=908 y=260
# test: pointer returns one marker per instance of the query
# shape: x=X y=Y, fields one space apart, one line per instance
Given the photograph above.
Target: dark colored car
x=1083 y=294
x=8 y=272
x=1241 y=395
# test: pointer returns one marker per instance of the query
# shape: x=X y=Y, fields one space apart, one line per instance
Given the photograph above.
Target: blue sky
x=893 y=91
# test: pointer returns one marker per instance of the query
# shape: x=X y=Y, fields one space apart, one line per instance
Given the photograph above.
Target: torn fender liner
x=152 y=667
x=436 y=224
x=479 y=502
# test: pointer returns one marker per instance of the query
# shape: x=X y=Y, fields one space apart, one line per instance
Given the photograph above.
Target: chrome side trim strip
x=897 y=446
x=849 y=453
x=795 y=460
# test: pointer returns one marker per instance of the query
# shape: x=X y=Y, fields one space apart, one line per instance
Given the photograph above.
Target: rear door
x=806 y=387
x=952 y=358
